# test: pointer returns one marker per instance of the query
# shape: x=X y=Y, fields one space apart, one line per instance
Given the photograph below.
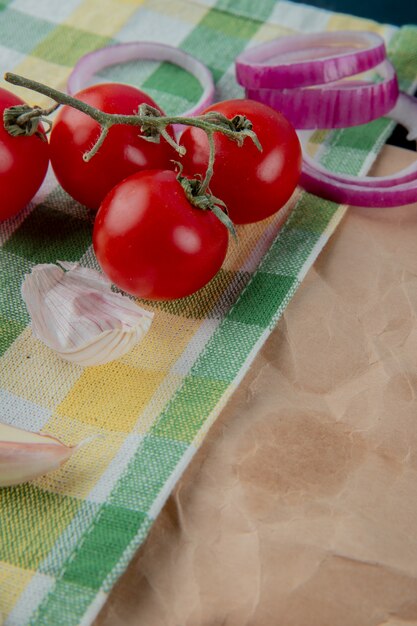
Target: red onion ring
x=338 y=105
x=97 y=60
x=380 y=191
x=305 y=60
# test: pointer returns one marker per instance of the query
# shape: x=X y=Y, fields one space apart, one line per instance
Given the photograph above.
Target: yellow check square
x=110 y=396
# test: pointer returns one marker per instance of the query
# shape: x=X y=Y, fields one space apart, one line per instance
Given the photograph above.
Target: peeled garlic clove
x=25 y=455
x=76 y=314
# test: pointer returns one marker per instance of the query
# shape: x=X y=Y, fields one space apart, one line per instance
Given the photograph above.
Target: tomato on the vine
x=152 y=242
x=253 y=184
x=23 y=164
x=123 y=152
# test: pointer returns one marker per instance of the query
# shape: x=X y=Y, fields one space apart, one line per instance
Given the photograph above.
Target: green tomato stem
x=22 y=120
x=204 y=122
x=180 y=149
x=103 y=134
x=210 y=166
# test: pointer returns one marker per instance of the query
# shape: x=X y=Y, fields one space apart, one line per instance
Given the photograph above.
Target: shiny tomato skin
x=152 y=243
x=253 y=184
x=23 y=164
x=123 y=152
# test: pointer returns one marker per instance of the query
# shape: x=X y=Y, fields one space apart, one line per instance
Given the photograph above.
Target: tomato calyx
x=242 y=125
x=22 y=119
x=152 y=131
x=204 y=199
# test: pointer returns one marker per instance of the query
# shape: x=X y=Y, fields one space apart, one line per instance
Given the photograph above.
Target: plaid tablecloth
x=65 y=538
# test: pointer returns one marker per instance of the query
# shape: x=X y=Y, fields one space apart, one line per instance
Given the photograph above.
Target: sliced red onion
x=97 y=60
x=305 y=60
x=355 y=195
x=338 y=105
x=379 y=191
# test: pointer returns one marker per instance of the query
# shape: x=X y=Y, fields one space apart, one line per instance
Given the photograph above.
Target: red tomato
x=122 y=153
x=23 y=164
x=253 y=184
x=152 y=243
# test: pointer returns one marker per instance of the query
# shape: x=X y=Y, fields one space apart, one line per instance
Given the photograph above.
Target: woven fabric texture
x=65 y=538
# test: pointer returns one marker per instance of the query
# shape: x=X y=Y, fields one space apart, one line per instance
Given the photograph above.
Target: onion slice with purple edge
x=338 y=105
x=97 y=60
x=368 y=191
x=305 y=60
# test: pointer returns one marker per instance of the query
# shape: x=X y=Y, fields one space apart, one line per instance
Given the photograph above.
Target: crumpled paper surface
x=300 y=509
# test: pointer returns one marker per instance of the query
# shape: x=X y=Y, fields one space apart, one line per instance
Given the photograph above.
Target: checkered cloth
x=67 y=537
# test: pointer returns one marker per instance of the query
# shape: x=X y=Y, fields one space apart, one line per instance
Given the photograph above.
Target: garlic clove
x=25 y=455
x=76 y=314
x=110 y=345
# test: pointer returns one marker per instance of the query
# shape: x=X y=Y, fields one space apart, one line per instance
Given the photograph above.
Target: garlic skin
x=25 y=455
x=76 y=314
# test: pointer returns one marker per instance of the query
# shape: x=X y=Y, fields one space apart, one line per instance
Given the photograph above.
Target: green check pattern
x=67 y=537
